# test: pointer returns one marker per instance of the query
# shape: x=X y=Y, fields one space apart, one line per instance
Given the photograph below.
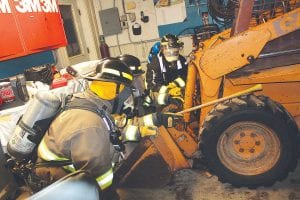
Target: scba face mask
x=171 y=54
x=124 y=102
x=138 y=85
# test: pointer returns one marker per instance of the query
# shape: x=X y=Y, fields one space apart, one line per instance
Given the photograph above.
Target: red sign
x=29 y=26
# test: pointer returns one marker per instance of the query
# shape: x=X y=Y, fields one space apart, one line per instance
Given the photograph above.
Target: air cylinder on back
x=26 y=136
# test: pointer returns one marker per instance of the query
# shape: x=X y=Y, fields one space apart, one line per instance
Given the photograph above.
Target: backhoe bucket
x=152 y=162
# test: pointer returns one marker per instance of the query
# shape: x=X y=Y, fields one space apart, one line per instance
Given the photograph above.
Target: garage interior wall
x=127 y=43
x=123 y=43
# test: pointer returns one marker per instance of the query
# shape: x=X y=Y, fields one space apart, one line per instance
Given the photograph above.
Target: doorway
x=76 y=51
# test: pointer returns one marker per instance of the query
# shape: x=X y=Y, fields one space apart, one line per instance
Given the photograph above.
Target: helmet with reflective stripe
x=133 y=63
x=112 y=70
x=170 y=46
x=171 y=41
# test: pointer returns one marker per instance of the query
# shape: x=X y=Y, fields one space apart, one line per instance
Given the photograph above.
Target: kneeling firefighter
x=166 y=73
x=143 y=101
x=84 y=133
x=145 y=120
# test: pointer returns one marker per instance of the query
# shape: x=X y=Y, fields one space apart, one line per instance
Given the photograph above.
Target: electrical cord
x=117 y=35
x=118 y=43
x=123 y=5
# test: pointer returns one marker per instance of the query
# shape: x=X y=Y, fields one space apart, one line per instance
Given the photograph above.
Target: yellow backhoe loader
x=241 y=104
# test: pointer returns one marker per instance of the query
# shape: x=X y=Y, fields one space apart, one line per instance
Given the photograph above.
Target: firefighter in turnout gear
x=145 y=120
x=84 y=133
x=167 y=71
x=143 y=101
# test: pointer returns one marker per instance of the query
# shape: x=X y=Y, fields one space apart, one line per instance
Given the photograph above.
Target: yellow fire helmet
x=112 y=81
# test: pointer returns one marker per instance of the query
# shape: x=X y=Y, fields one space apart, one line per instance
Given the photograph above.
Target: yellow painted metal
x=225 y=57
x=232 y=54
x=207 y=93
x=211 y=75
x=185 y=142
x=209 y=65
x=169 y=150
x=248 y=144
x=281 y=25
x=190 y=91
x=276 y=75
x=283 y=92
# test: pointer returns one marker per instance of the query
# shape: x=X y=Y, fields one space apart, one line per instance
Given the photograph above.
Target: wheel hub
x=248 y=148
x=248 y=144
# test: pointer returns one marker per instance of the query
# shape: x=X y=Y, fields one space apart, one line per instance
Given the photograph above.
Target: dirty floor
x=198 y=185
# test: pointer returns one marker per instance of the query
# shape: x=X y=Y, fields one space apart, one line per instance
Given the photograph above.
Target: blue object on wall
x=193 y=19
x=18 y=65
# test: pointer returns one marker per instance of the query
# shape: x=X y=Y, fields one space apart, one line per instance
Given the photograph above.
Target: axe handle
x=255 y=88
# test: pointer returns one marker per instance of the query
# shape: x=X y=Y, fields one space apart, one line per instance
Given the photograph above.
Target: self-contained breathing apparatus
x=23 y=164
x=114 y=132
x=25 y=138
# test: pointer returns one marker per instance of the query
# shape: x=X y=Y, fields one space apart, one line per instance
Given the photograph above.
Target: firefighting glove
x=168 y=119
x=178 y=82
x=133 y=133
x=120 y=120
x=148 y=130
x=176 y=91
x=147 y=100
x=163 y=95
x=142 y=108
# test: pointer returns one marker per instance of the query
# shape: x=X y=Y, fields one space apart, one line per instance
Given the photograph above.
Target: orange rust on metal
x=169 y=150
x=185 y=142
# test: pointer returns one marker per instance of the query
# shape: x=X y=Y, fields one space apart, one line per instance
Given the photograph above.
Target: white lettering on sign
x=26 y=6
x=4 y=6
x=47 y=6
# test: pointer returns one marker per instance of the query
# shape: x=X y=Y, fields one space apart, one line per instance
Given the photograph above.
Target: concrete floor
x=199 y=185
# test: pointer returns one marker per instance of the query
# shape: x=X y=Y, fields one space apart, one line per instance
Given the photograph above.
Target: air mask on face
x=138 y=85
x=124 y=102
x=171 y=54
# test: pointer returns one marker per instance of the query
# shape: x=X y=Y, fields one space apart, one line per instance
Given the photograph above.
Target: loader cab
x=283 y=51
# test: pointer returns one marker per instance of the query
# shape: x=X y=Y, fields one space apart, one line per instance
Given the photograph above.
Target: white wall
x=128 y=43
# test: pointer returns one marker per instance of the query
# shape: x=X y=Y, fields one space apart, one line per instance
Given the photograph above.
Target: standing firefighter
x=167 y=71
x=84 y=132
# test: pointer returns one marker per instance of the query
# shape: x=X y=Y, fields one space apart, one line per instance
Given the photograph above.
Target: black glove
x=141 y=109
x=168 y=119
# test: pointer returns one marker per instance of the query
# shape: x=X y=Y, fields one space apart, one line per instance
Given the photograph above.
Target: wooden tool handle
x=255 y=88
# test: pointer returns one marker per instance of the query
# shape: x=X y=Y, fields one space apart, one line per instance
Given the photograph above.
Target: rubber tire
x=257 y=109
